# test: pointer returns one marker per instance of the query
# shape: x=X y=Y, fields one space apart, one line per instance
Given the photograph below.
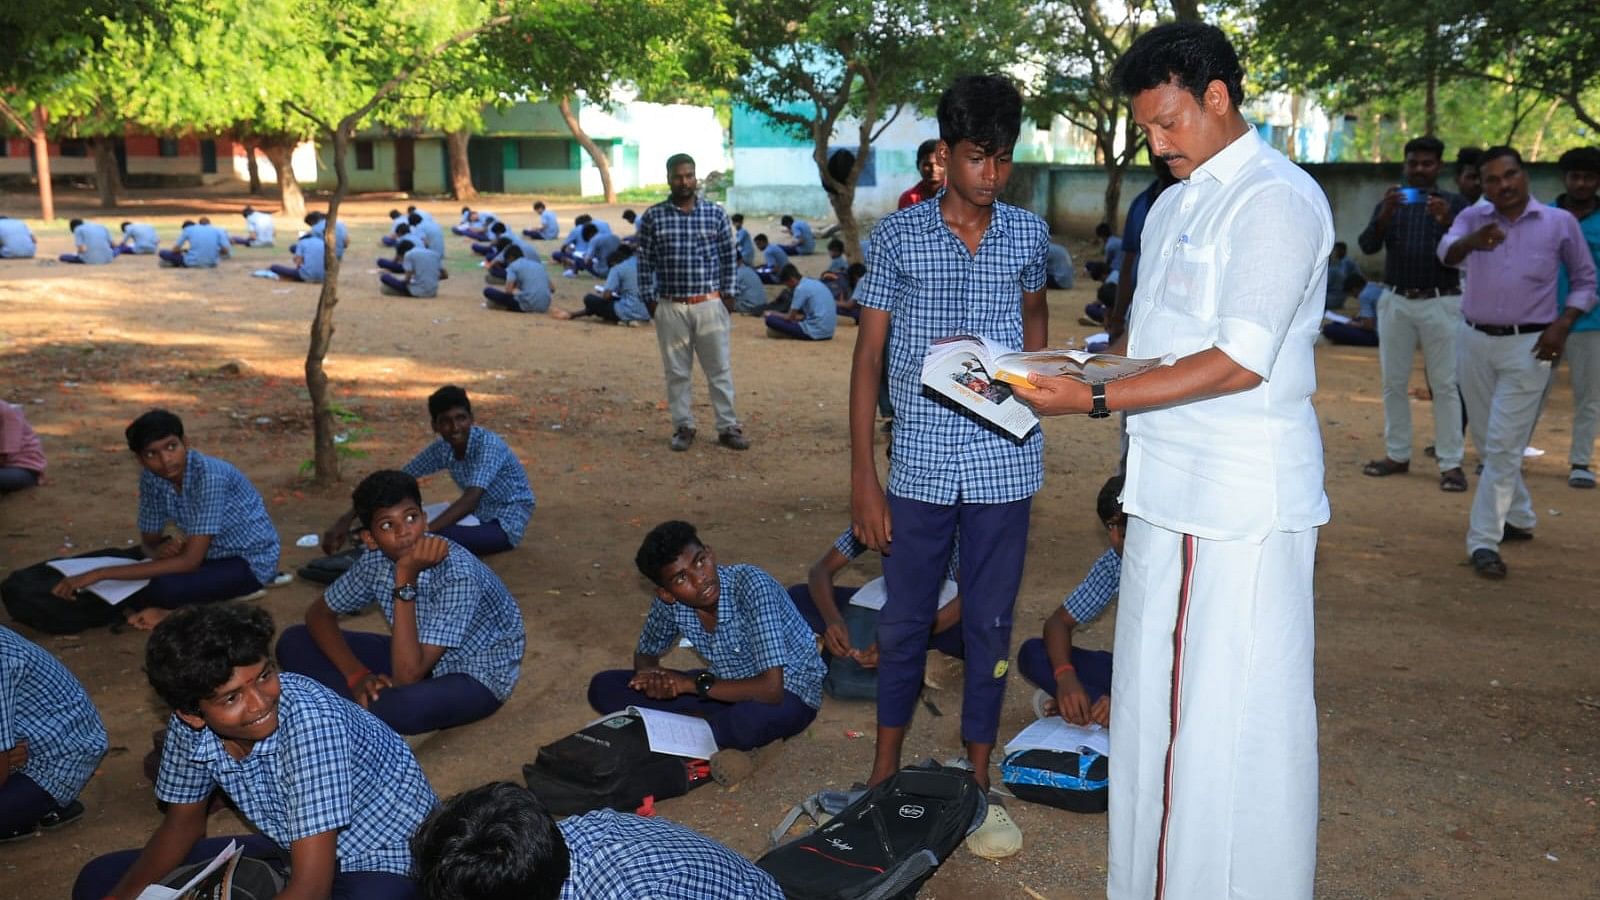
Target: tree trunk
x=253 y=169
x=1538 y=139
x=460 y=169
x=325 y=453
x=1113 y=194
x=280 y=152
x=1430 y=102
x=41 y=161
x=107 y=180
x=588 y=144
x=1292 y=149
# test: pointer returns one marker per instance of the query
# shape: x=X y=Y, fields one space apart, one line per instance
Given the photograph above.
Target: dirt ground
x=1459 y=719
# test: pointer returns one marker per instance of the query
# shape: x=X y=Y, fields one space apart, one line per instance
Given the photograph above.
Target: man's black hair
x=445 y=399
x=195 y=650
x=676 y=160
x=621 y=254
x=502 y=243
x=1580 y=159
x=590 y=229
x=498 y=227
x=466 y=209
x=836 y=244
x=404 y=247
x=248 y=211
x=662 y=545
x=786 y=221
x=1494 y=153
x=411 y=209
x=1426 y=144
x=925 y=150
x=495 y=842
x=414 y=219
x=759 y=239
x=380 y=490
x=737 y=218
x=124 y=226
x=186 y=223
x=73 y=225
x=1468 y=158
x=1106 y=504
x=1194 y=54
x=583 y=219
x=984 y=110
x=789 y=272
x=1341 y=245
x=151 y=427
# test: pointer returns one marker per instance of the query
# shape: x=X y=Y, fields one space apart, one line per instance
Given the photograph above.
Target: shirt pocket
x=1191 y=279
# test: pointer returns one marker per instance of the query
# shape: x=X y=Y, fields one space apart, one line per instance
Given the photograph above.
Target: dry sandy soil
x=1459 y=725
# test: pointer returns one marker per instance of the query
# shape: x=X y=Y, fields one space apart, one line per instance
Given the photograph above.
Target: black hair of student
x=676 y=160
x=447 y=398
x=313 y=218
x=495 y=842
x=789 y=272
x=786 y=221
x=856 y=272
x=1354 y=283
x=1103 y=230
x=983 y=110
x=629 y=215
x=403 y=228
x=1341 y=245
x=1106 y=504
x=1580 y=159
x=186 y=223
x=380 y=490
x=836 y=244
x=1425 y=144
x=1496 y=152
x=73 y=225
x=512 y=253
x=125 y=225
x=760 y=239
x=394 y=214
x=1468 y=158
x=404 y=247
x=497 y=228
x=195 y=650
x=248 y=211
x=662 y=545
x=151 y=427
x=737 y=218
x=583 y=219
x=501 y=244
x=414 y=219
x=538 y=206
x=590 y=229
x=925 y=150
x=623 y=253
x=205 y=220
x=411 y=209
x=1193 y=53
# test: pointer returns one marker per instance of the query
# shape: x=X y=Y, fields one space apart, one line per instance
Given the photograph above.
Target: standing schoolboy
x=93 y=243
x=966 y=264
x=199 y=246
x=21 y=453
x=420 y=271
x=327 y=785
x=805 y=240
x=619 y=300
x=456 y=644
x=763 y=675
x=228 y=546
x=773 y=259
x=16 y=240
x=811 y=315
x=527 y=287
x=548 y=228
x=310 y=255
x=51 y=739
x=262 y=231
x=139 y=238
x=743 y=245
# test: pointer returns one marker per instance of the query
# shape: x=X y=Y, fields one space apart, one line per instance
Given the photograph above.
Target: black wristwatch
x=1098 y=393
x=703 y=683
x=406 y=592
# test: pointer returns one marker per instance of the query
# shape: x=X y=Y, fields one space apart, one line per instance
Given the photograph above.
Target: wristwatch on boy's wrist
x=406 y=592
x=703 y=683
x=1097 y=392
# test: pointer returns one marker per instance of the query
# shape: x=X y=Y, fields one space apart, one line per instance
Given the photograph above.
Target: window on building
x=364 y=156
x=167 y=147
x=74 y=147
x=5 y=146
x=545 y=153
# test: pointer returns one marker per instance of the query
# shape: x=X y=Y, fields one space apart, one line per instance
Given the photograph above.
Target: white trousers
x=1213 y=723
x=685 y=331
x=1405 y=324
x=1504 y=387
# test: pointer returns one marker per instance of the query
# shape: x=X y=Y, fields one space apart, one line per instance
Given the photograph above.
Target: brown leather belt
x=697 y=298
x=1508 y=330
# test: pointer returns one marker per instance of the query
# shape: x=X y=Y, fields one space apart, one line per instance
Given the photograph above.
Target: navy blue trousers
x=216 y=579
x=102 y=873
x=1093 y=668
x=22 y=804
x=480 y=540
x=737 y=726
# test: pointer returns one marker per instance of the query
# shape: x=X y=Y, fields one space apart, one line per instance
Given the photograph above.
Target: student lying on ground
x=16 y=241
x=773 y=259
x=619 y=300
x=548 y=228
x=21 y=453
x=93 y=243
x=330 y=788
x=51 y=739
x=262 y=230
x=420 y=271
x=527 y=285
x=227 y=548
x=498 y=841
x=811 y=315
x=139 y=238
x=310 y=261
x=457 y=637
x=200 y=245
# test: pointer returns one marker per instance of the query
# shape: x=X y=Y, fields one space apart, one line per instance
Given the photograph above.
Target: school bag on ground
x=1063 y=779
x=885 y=843
x=27 y=597
x=609 y=765
x=327 y=569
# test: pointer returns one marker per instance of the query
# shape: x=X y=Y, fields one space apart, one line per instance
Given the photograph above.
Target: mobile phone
x=1410 y=196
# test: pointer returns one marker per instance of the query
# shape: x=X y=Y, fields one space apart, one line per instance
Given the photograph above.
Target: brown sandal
x=1453 y=481
x=1379 y=468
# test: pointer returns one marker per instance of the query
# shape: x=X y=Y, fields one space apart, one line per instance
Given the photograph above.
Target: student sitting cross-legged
x=310 y=261
x=317 y=223
x=51 y=739
x=619 y=300
x=228 y=546
x=773 y=259
x=527 y=286
x=493 y=233
x=811 y=315
x=420 y=271
x=548 y=228
x=93 y=243
x=835 y=276
x=805 y=240
x=262 y=231
x=139 y=238
x=845 y=301
x=332 y=790
x=763 y=680
x=499 y=841
x=16 y=240
x=456 y=642
x=750 y=291
x=200 y=245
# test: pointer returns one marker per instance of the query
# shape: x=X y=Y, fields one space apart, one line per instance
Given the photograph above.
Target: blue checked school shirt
x=41 y=703
x=617 y=855
x=757 y=628
x=490 y=465
x=685 y=254
x=1098 y=588
x=329 y=766
x=216 y=500
x=922 y=275
x=462 y=606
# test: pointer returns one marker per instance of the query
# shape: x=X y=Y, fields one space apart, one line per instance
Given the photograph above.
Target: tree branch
x=15 y=119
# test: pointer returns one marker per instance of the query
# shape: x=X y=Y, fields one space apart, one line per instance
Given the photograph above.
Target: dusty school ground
x=1459 y=718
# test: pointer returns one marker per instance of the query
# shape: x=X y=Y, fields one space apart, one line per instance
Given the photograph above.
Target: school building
x=147 y=160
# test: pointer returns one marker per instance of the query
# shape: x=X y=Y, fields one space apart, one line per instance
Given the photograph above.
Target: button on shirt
x=684 y=254
x=1515 y=283
x=42 y=703
x=329 y=766
x=920 y=273
x=461 y=606
x=616 y=855
x=424 y=266
x=96 y=243
x=1409 y=244
x=757 y=628
x=217 y=500
x=814 y=301
x=1235 y=258
x=623 y=281
x=489 y=464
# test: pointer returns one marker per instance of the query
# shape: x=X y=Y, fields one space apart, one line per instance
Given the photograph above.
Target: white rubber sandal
x=998 y=837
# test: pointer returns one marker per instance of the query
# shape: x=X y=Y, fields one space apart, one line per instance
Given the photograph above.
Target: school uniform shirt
x=423 y=265
x=142 y=238
x=313 y=257
x=750 y=294
x=745 y=246
x=1059 y=265
x=549 y=229
x=19 y=444
x=432 y=235
x=920 y=273
x=42 y=703
x=813 y=299
x=757 y=628
x=329 y=766
x=341 y=236
x=532 y=284
x=600 y=250
x=461 y=606
x=490 y=465
x=1098 y=588
x=262 y=229
x=839 y=265
x=616 y=855
x=623 y=280
x=217 y=500
x=16 y=241
x=199 y=246
x=96 y=243
x=774 y=258
x=804 y=238
x=529 y=251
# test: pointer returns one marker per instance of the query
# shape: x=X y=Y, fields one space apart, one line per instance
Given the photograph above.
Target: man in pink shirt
x=21 y=455
x=1512 y=251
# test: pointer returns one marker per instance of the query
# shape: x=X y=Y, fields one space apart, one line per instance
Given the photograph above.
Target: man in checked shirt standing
x=686 y=265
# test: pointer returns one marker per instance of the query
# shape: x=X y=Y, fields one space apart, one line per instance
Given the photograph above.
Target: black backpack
x=609 y=765
x=887 y=843
x=27 y=597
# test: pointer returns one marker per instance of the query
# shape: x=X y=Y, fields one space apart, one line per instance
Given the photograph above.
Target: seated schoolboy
x=228 y=546
x=456 y=643
x=548 y=228
x=811 y=315
x=494 y=486
x=805 y=240
x=423 y=225
x=527 y=285
x=1058 y=268
x=763 y=679
x=93 y=243
x=495 y=265
x=310 y=261
x=845 y=304
x=139 y=238
x=51 y=739
x=1361 y=331
x=838 y=267
x=619 y=300
x=468 y=222
x=478 y=225
x=396 y=219
x=773 y=259
x=259 y=224
x=392 y=263
x=601 y=245
x=21 y=453
x=750 y=291
x=420 y=271
x=499 y=841
x=632 y=218
x=1073 y=682
x=199 y=246
x=574 y=246
x=493 y=234
x=318 y=223
x=16 y=240
x=330 y=788
x=743 y=246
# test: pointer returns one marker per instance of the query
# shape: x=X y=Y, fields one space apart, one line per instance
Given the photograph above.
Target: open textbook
x=432 y=511
x=112 y=591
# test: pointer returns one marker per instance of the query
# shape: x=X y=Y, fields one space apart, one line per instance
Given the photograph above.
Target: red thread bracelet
x=1064 y=667
x=355 y=679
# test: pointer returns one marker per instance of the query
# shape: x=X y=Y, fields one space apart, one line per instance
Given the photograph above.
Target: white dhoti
x=1213 y=725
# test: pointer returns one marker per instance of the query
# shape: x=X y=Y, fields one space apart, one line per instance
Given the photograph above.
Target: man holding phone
x=1421 y=304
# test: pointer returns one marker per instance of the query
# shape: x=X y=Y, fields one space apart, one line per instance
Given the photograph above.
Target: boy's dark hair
x=394 y=214
x=151 y=427
x=512 y=253
x=759 y=239
x=447 y=398
x=1425 y=144
x=925 y=150
x=195 y=650
x=678 y=159
x=1194 y=54
x=663 y=545
x=124 y=226
x=1103 y=230
x=248 y=211
x=1580 y=159
x=403 y=228
x=737 y=218
x=629 y=215
x=205 y=220
x=836 y=244
x=313 y=218
x=411 y=209
x=73 y=225
x=1341 y=246
x=495 y=842
x=590 y=229
x=786 y=221
x=1496 y=152
x=984 y=110
x=583 y=219
x=186 y=223
x=538 y=206
x=382 y=489
x=466 y=209
x=1106 y=504
x=502 y=244
x=622 y=253
x=856 y=272
x=790 y=272
x=404 y=247
x=414 y=219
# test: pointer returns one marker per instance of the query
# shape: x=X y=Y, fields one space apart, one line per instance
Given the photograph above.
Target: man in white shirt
x=1214 y=732
x=262 y=231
